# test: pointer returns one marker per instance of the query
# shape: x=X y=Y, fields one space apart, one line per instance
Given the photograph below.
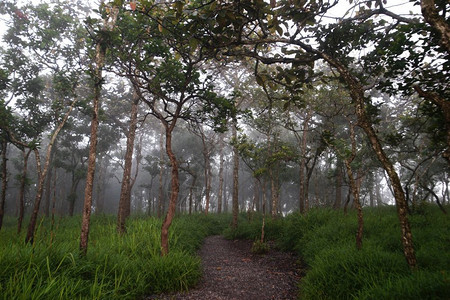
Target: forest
x=132 y=130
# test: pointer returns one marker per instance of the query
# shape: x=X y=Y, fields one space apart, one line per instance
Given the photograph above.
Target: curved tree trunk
x=357 y=94
x=42 y=174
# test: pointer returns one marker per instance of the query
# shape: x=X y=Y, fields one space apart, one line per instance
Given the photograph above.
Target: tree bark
x=86 y=217
x=357 y=94
x=100 y=52
x=23 y=181
x=355 y=192
x=42 y=174
x=4 y=180
x=207 y=171
x=431 y=15
x=304 y=205
x=338 y=200
x=220 y=192
x=48 y=190
x=125 y=192
x=161 y=174
x=235 y=195
x=175 y=188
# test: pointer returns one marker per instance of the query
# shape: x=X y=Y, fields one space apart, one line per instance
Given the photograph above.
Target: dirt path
x=232 y=272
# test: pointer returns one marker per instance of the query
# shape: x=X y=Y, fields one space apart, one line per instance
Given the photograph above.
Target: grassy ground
x=325 y=240
x=129 y=266
x=116 y=267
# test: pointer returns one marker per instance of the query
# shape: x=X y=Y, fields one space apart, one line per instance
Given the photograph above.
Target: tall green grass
x=325 y=240
x=116 y=267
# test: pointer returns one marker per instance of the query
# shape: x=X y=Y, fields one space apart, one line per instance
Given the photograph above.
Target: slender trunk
x=175 y=187
x=357 y=94
x=23 y=181
x=255 y=204
x=301 y=176
x=161 y=174
x=303 y=143
x=355 y=192
x=4 y=180
x=191 y=192
x=207 y=161
x=86 y=217
x=274 y=191
x=125 y=192
x=42 y=173
x=73 y=195
x=54 y=199
x=100 y=52
x=235 y=196
x=220 y=193
x=338 y=201
x=48 y=190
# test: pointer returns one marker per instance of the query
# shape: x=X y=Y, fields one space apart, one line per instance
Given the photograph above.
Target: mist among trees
x=160 y=109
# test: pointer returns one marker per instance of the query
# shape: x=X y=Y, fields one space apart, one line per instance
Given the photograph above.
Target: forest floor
x=232 y=272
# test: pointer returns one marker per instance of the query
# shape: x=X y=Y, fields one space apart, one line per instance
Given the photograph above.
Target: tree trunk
x=175 y=188
x=207 y=161
x=73 y=194
x=355 y=192
x=338 y=200
x=357 y=94
x=4 y=180
x=436 y=21
x=100 y=52
x=161 y=174
x=235 y=196
x=23 y=181
x=303 y=195
x=191 y=192
x=301 y=178
x=48 y=191
x=125 y=192
x=220 y=193
x=86 y=217
x=42 y=174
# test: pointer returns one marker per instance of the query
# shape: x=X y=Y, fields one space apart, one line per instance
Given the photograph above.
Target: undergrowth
x=325 y=241
x=116 y=267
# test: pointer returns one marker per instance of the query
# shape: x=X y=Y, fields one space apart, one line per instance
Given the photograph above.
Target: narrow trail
x=232 y=272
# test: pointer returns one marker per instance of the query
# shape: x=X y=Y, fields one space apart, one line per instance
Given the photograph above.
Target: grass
x=325 y=240
x=130 y=266
x=116 y=267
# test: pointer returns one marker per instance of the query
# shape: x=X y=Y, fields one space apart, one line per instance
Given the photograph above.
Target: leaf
x=160 y=28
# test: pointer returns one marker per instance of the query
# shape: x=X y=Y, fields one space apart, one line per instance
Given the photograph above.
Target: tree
x=164 y=71
x=100 y=41
x=43 y=48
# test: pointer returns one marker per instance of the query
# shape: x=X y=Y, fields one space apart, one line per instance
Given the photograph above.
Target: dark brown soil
x=231 y=271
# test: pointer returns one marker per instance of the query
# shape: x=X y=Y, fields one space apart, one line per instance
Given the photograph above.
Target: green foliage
x=325 y=240
x=116 y=267
x=259 y=247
